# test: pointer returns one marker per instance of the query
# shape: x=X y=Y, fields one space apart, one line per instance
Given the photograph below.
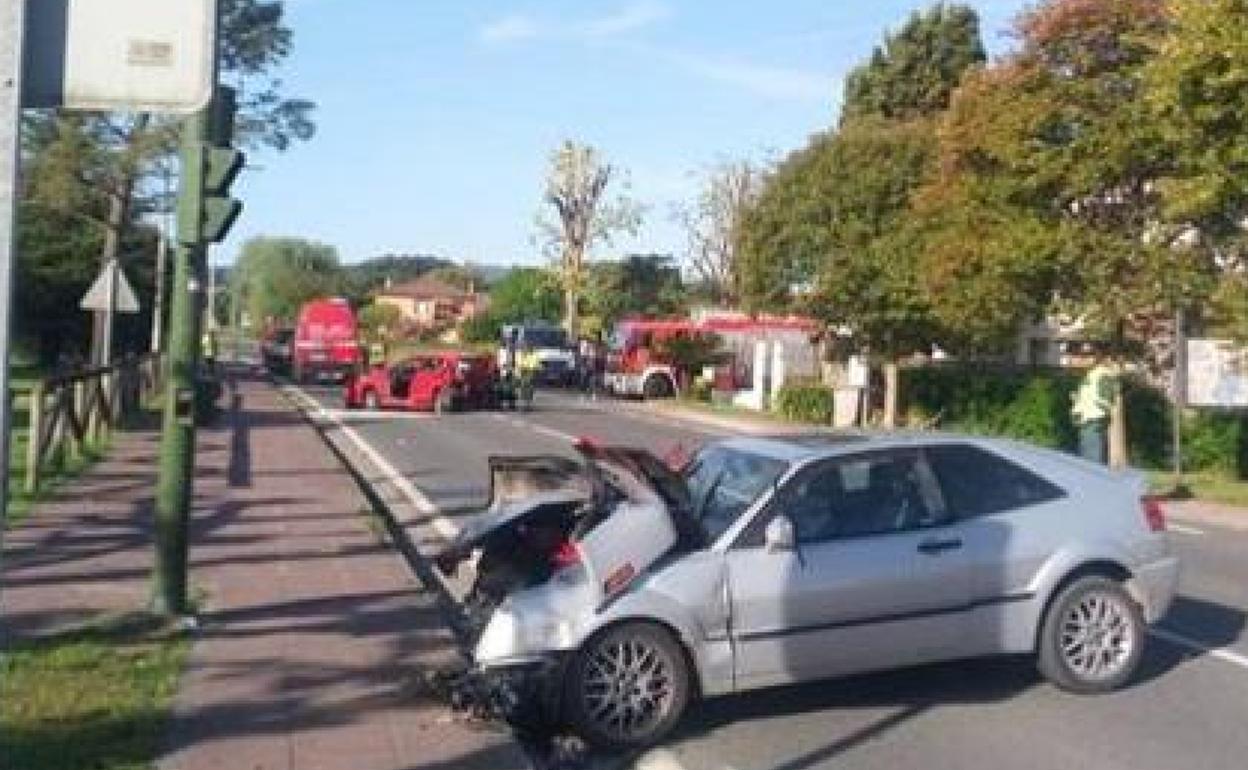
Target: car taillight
x=566 y=555
x=1154 y=514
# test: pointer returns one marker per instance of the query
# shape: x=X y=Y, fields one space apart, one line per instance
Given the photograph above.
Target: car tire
x=371 y=402
x=444 y=402
x=1092 y=638
x=657 y=386
x=627 y=687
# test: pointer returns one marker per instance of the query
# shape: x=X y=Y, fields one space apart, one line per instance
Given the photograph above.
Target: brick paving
x=314 y=634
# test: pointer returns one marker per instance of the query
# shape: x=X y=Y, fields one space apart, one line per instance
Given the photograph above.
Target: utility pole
x=12 y=34
x=177 y=444
x=205 y=215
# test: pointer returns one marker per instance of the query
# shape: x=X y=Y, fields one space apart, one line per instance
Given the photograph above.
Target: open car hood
x=624 y=509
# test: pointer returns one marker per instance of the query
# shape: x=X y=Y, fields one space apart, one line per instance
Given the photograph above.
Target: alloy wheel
x=1098 y=637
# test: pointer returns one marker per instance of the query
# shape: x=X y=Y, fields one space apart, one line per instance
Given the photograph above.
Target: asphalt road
x=1188 y=708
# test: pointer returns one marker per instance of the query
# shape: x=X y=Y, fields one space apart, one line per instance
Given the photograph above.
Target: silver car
x=632 y=589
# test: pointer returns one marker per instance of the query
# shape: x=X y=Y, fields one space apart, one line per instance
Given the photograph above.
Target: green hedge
x=1034 y=405
x=805 y=403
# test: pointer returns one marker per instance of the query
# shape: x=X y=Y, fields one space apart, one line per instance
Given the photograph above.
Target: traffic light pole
x=177 y=445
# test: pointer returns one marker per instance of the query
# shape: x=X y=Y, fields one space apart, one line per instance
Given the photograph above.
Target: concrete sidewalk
x=314 y=634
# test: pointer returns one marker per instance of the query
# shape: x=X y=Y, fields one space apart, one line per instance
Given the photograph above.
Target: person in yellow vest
x=528 y=363
x=377 y=353
x=1093 y=404
x=208 y=348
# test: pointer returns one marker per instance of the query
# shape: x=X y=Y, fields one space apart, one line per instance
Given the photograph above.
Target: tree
x=1196 y=85
x=832 y=233
x=274 y=277
x=639 y=284
x=110 y=168
x=368 y=276
x=380 y=321
x=576 y=189
x=712 y=223
x=526 y=294
x=914 y=71
x=827 y=238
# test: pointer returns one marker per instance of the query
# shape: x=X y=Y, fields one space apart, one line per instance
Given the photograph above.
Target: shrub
x=805 y=403
x=1028 y=404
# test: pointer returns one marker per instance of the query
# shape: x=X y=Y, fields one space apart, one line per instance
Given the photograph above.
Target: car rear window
x=976 y=482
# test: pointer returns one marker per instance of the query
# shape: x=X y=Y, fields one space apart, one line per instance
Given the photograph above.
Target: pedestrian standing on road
x=1093 y=403
x=529 y=363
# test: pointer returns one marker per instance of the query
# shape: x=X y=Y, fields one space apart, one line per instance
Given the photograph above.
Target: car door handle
x=935 y=545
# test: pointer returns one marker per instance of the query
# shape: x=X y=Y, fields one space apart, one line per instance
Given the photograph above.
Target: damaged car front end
x=561 y=541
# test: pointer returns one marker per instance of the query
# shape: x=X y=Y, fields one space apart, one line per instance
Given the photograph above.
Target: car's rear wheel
x=627 y=687
x=444 y=402
x=657 y=386
x=1093 y=636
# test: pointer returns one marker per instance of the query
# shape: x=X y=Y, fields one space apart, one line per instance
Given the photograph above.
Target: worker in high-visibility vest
x=208 y=348
x=529 y=363
x=1093 y=405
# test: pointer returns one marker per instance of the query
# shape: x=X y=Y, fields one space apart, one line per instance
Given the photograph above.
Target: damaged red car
x=445 y=381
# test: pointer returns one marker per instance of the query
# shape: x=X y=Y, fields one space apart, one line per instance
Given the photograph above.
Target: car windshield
x=723 y=483
x=545 y=338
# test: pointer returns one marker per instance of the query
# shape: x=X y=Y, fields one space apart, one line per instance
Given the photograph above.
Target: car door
x=427 y=379
x=876 y=578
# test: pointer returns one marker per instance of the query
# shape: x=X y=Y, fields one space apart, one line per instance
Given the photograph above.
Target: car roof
x=801 y=446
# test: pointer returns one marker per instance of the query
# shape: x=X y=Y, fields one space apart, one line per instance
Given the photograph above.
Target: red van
x=326 y=341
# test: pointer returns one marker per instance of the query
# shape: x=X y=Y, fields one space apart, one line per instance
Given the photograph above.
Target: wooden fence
x=72 y=411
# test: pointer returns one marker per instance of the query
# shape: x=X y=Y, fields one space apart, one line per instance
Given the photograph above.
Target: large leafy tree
x=109 y=169
x=526 y=294
x=831 y=234
x=639 y=284
x=913 y=72
x=1058 y=144
x=275 y=276
x=1197 y=82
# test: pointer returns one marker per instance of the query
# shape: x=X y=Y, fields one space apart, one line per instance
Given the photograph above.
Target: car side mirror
x=779 y=536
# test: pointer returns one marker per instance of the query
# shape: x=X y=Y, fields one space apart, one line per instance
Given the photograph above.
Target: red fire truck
x=638 y=366
x=326 y=341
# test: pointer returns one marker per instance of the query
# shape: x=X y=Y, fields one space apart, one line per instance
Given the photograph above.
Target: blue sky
x=436 y=117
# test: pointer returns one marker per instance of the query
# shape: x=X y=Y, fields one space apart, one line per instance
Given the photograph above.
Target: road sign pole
x=177 y=446
x=12 y=33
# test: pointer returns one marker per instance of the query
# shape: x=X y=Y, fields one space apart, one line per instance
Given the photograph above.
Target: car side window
x=869 y=494
x=976 y=482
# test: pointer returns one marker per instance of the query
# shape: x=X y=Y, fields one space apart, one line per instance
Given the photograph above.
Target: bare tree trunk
x=892 y=386
x=158 y=298
x=571 y=312
x=1118 y=454
x=118 y=206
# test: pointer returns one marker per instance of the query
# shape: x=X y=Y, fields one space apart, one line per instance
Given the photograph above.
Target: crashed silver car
x=626 y=589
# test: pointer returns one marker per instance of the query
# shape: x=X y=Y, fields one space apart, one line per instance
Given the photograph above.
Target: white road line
x=1183 y=530
x=444 y=527
x=516 y=422
x=1221 y=653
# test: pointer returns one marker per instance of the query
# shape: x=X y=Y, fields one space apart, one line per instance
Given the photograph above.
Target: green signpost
x=206 y=212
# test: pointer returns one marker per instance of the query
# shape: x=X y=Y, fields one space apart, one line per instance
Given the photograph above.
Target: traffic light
x=209 y=168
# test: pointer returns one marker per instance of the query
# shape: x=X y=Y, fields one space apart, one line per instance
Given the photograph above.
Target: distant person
x=529 y=364
x=1093 y=405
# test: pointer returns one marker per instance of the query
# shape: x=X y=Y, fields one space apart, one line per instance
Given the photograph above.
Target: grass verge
x=1212 y=487
x=91 y=699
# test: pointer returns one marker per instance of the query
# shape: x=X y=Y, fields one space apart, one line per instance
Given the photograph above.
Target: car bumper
x=1155 y=585
x=623 y=384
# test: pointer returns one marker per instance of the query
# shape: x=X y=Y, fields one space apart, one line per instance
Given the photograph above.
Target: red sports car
x=442 y=382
